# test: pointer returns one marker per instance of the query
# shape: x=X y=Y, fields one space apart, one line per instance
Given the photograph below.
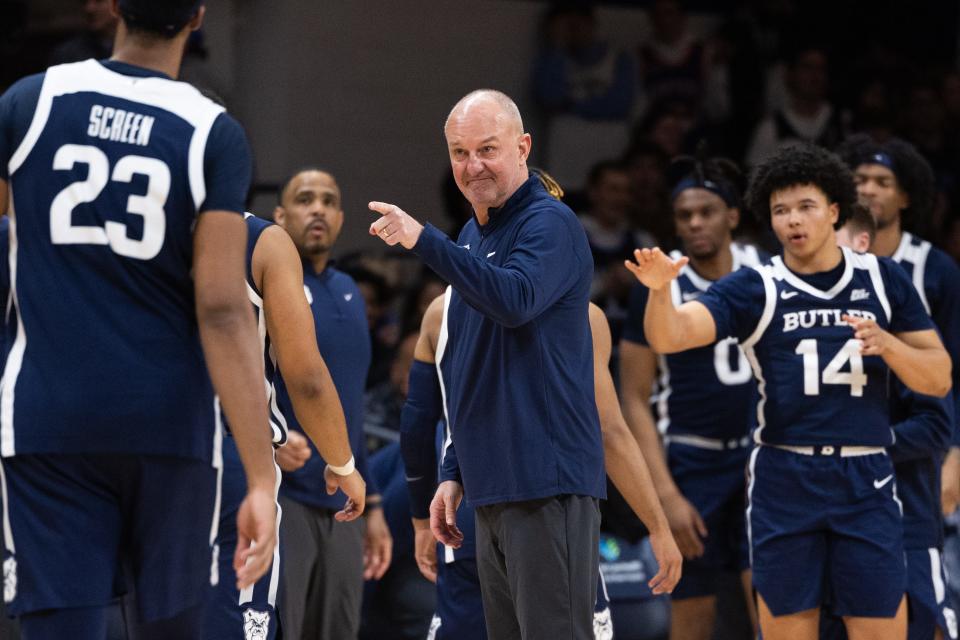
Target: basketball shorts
x=73 y=519
x=930 y=604
x=825 y=529
x=715 y=483
x=228 y=612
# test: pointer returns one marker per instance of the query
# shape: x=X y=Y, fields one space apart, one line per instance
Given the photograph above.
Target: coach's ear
x=279 y=215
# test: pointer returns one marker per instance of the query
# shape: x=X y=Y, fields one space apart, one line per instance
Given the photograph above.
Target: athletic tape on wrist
x=346 y=469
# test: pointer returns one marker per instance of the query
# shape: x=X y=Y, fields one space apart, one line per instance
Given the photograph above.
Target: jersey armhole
x=769 y=306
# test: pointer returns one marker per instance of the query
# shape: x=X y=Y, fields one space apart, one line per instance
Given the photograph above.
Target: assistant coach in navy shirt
x=523 y=417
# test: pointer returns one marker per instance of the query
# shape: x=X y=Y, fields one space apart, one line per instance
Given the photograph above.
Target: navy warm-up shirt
x=339 y=315
x=109 y=166
x=522 y=411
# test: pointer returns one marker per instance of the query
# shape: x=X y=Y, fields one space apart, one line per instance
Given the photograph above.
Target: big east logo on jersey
x=793 y=320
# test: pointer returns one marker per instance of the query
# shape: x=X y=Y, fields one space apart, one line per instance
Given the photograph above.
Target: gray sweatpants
x=322 y=574
x=538 y=562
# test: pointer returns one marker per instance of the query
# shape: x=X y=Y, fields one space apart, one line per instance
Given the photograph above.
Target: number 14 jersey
x=815 y=386
x=108 y=167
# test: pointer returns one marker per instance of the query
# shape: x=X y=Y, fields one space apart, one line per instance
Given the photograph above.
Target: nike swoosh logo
x=879 y=484
x=414 y=478
x=492 y=253
x=786 y=295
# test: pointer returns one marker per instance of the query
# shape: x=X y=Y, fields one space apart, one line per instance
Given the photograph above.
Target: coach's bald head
x=488 y=148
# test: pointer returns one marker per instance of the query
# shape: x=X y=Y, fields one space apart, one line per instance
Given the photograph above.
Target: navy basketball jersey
x=708 y=392
x=936 y=277
x=815 y=386
x=278 y=424
x=107 y=175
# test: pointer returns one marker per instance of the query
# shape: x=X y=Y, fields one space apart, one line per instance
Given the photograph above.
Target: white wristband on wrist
x=346 y=469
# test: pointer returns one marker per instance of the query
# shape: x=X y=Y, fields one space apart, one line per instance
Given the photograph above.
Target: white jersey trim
x=769 y=308
x=752 y=478
x=246 y=595
x=936 y=573
x=438 y=358
x=7 y=529
x=14 y=363
x=869 y=263
x=278 y=422
x=917 y=256
x=663 y=395
x=178 y=98
x=217 y=464
x=782 y=272
x=745 y=255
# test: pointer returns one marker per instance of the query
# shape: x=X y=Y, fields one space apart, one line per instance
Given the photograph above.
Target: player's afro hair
x=912 y=170
x=798 y=165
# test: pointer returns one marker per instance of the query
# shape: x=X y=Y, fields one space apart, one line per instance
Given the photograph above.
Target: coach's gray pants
x=322 y=574
x=538 y=562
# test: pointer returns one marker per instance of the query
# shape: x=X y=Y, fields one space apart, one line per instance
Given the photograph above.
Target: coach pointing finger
x=395 y=225
x=521 y=272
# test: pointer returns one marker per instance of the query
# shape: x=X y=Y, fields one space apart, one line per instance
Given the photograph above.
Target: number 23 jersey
x=108 y=167
x=815 y=386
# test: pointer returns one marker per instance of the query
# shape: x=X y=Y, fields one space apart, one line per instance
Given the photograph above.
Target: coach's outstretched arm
x=534 y=276
x=626 y=465
x=228 y=334
x=277 y=266
x=669 y=329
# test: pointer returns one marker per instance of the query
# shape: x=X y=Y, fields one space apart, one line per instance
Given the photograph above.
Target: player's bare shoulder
x=274 y=251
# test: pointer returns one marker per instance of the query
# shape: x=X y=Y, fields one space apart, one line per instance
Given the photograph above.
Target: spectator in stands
x=381 y=321
x=676 y=61
x=612 y=239
x=669 y=124
x=586 y=87
x=646 y=164
x=427 y=287
x=381 y=423
x=806 y=113
x=926 y=126
x=96 y=40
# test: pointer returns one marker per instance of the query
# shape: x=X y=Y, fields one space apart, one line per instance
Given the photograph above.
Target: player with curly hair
x=821 y=327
